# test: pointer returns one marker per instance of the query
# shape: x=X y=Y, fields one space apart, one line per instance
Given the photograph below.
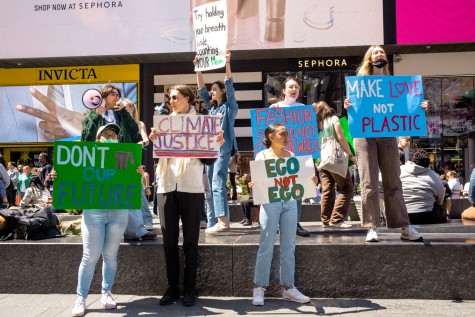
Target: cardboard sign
x=210 y=23
x=283 y=179
x=97 y=175
x=187 y=136
x=385 y=106
x=301 y=124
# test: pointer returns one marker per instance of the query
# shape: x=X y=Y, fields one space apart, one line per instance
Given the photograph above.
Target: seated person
x=423 y=191
x=454 y=184
x=36 y=193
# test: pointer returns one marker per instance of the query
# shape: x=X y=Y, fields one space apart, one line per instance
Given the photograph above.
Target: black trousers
x=172 y=206
x=246 y=208
x=11 y=196
x=437 y=215
x=232 y=180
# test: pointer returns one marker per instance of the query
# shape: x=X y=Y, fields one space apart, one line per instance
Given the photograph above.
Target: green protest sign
x=97 y=175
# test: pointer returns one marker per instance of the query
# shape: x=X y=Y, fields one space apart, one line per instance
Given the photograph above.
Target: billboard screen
x=52 y=28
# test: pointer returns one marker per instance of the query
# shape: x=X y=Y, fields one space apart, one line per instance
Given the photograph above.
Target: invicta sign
x=66 y=74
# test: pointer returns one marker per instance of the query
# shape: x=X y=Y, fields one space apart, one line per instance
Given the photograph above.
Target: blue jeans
x=217 y=176
x=135 y=226
x=102 y=231
x=3 y=191
x=146 y=214
x=272 y=216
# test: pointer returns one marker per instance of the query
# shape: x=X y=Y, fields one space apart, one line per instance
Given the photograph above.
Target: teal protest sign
x=385 y=106
x=97 y=175
x=283 y=179
x=301 y=124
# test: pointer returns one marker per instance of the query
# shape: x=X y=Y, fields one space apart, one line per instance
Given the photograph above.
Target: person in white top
x=454 y=184
x=282 y=215
x=290 y=94
x=180 y=194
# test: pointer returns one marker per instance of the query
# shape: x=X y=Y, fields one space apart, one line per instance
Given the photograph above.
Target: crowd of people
x=191 y=193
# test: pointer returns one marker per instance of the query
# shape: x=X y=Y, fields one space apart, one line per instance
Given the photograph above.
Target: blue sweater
x=228 y=110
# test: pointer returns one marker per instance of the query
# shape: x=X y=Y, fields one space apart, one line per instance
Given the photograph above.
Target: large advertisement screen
x=52 y=28
x=435 y=21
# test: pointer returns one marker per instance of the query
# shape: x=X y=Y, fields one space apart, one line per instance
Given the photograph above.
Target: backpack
x=33 y=223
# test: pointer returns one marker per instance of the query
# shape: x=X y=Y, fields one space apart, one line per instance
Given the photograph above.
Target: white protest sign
x=283 y=179
x=210 y=23
x=186 y=136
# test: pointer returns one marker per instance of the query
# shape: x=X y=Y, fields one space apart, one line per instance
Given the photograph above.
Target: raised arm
x=199 y=75
x=228 y=64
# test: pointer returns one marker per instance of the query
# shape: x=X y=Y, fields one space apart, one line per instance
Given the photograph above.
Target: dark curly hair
x=420 y=157
x=35 y=182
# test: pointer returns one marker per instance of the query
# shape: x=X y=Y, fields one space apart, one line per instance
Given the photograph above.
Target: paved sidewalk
x=52 y=305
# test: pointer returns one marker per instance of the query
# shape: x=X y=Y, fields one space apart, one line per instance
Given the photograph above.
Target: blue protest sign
x=301 y=124
x=385 y=106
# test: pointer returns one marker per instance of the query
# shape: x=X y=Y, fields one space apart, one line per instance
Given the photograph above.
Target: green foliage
x=74 y=211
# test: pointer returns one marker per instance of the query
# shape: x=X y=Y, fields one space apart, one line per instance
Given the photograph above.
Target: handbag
x=333 y=158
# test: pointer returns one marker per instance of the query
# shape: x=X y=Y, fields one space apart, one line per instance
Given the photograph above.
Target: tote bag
x=333 y=158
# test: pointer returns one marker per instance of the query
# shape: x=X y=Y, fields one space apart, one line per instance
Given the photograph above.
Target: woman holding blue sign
x=220 y=100
x=289 y=95
x=381 y=154
x=282 y=215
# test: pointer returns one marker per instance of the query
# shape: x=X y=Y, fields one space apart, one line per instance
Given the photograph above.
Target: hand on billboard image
x=57 y=122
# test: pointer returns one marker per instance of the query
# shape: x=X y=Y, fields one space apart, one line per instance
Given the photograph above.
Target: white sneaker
x=79 y=307
x=107 y=301
x=410 y=233
x=258 y=296
x=294 y=295
x=217 y=229
x=372 y=235
x=342 y=225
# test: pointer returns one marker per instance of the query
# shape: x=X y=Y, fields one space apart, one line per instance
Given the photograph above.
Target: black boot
x=189 y=297
x=301 y=231
x=171 y=295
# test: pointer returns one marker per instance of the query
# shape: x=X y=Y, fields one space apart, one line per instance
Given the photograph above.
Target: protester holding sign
x=289 y=95
x=380 y=154
x=102 y=231
x=220 y=100
x=282 y=215
x=180 y=194
x=334 y=213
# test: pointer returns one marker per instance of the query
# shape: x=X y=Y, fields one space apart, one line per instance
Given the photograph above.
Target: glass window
x=450 y=124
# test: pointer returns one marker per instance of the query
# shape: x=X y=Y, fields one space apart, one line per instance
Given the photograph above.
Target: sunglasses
x=174 y=98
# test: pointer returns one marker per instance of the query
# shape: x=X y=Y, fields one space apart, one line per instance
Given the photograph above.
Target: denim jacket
x=228 y=110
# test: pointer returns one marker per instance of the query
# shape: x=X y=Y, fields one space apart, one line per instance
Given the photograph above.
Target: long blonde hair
x=131 y=104
x=365 y=67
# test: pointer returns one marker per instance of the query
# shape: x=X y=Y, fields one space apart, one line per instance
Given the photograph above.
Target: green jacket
x=129 y=129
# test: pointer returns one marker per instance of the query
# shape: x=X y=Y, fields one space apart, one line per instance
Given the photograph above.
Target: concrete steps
x=330 y=263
